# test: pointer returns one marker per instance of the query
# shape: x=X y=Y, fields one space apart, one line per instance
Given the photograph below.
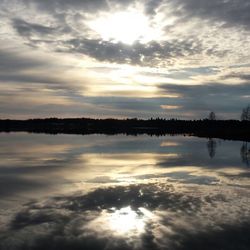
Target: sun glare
x=125 y=221
x=126 y=27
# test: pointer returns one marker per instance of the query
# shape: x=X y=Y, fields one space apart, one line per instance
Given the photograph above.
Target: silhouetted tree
x=211 y=146
x=211 y=116
x=245 y=115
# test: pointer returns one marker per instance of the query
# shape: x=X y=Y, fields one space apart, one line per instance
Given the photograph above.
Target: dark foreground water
x=117 y=192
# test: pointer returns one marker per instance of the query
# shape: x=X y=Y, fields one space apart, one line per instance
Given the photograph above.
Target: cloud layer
x=52 y=49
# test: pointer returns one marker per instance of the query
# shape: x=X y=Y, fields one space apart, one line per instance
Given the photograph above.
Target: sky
x=124 y=58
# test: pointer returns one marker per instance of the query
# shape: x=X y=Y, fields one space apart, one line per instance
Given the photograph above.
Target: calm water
x=123 y=192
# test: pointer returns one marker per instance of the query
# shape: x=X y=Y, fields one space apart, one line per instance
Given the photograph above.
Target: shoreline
x=221 y=129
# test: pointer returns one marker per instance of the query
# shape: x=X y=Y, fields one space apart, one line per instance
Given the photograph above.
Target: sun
x=126 y=27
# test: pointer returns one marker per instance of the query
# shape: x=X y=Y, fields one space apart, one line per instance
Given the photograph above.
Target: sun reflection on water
x=124 y=222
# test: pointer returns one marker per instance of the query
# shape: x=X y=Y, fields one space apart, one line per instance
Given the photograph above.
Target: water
x=123 y=192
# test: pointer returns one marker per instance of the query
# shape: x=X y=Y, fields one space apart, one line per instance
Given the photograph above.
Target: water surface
x=123 y=192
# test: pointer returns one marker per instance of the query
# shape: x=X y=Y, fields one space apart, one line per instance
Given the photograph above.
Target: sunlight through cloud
x=126 y=27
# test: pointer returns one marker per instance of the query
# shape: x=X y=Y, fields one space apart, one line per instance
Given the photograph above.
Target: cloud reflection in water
x=124 y=222
x=123 y=193
x=143 y=216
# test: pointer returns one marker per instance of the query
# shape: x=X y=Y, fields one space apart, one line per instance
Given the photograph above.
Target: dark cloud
x=26 y=78
x=11 y=186
x=43 y=33
x=228 y=12
x=83 y=6
x=234 y=177
x=13 y=61
x=66 y=6
x=230 y=238
x=123 y=103
x=241 y=76
x=27 y=29
x=33 y=74
x=153 y=53
x=36 y=34
x=151 y=6
x=136 y=196
x=208 y=89
x=212 y=96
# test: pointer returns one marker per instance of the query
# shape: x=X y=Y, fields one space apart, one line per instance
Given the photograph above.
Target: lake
x=123 y=192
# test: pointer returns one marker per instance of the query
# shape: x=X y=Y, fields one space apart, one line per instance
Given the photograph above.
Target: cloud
x=151 y=6
x=27 y=29
x=66 y=6
x=67 y=27
x=170 y=219
x=168 y=210
x=149 y=54
x=221 y=98
x=13 y=61
x=242 y=76
x=200 y=42
x=230 y=13
x=16 y=185
x=68 y=219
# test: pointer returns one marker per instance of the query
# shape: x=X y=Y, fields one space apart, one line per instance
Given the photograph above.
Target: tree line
x=245 y=115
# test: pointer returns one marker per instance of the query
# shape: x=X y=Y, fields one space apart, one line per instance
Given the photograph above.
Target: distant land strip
x=224 y=129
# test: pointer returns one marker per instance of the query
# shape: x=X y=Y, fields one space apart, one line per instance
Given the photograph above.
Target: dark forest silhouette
x=225 y=129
